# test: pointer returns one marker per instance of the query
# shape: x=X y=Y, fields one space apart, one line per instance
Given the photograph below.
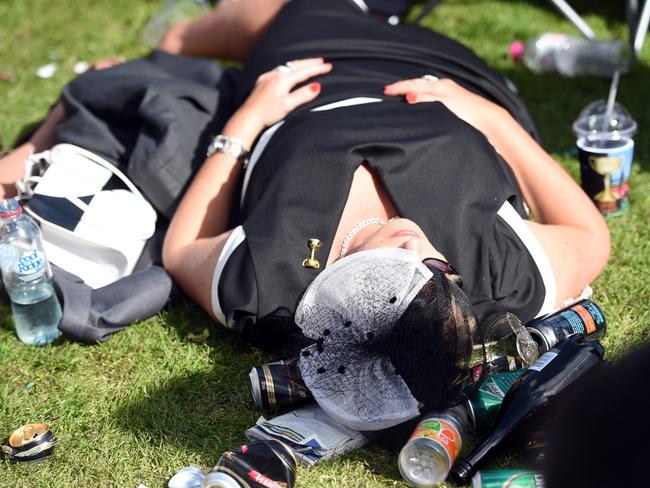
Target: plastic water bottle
x=27 y=276
x=571 y=56
x=426 y=459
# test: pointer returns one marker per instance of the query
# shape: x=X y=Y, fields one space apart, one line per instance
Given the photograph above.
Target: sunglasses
x=440 y=265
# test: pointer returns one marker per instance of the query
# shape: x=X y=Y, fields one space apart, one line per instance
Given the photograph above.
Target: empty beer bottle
x=552 y=373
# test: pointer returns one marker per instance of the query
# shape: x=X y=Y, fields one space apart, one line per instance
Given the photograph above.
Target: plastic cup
x=605 y=151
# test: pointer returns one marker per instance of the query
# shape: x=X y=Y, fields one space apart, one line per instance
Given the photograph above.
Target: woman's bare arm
x=567 y=224
x=230 y=31
x=199 y=228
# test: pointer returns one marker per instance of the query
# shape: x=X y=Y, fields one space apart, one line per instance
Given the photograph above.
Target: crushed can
x=584 y=317
x=278 y=385
x=261 y=464
x=30 y=444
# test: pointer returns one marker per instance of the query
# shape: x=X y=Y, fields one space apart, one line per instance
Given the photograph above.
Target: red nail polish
x=411 y=97
x=314 y=86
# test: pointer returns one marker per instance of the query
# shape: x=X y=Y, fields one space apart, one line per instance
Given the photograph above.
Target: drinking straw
x=611 y=99
x=613 y=89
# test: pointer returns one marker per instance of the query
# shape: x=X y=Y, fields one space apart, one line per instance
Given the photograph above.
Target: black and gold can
x=278 y=385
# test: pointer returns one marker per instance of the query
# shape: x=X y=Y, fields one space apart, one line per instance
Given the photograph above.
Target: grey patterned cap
x=350 y=310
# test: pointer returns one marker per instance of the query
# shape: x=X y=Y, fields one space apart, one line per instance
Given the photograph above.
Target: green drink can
x=508 y=478
x=484 y=402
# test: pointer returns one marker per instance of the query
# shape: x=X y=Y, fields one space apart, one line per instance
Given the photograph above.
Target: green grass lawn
x=157 y=397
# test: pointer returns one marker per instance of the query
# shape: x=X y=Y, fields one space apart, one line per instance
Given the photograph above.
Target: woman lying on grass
x=406 y=163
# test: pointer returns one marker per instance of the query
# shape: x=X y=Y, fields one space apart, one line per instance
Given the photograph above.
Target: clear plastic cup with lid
x=605 y=151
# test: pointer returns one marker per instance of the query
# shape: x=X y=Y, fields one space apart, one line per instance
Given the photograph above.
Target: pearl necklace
x=356 y=229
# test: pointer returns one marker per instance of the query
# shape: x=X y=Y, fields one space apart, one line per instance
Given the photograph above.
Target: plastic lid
x=593 y=124
x=517 y=49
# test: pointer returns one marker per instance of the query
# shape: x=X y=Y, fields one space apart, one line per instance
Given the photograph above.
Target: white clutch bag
x=94 y=221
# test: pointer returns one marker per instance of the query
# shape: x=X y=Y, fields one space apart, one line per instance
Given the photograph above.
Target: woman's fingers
x=274 y=95
x=405 y=86
x=294 y=72
x=306 y=71
x=420 y=85
x=300 y=63
x=303 y=95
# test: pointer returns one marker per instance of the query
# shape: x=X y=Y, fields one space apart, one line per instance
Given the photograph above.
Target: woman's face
x=400 y=233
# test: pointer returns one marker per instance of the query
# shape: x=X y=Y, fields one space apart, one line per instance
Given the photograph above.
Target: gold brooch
x=311 y=261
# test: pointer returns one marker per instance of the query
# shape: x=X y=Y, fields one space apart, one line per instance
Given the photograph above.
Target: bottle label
x=542 y=362
x=30 y=264
x=499 y=383
x=443 y=432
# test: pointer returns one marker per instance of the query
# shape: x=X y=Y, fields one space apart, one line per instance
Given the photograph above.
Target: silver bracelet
x=229 y=145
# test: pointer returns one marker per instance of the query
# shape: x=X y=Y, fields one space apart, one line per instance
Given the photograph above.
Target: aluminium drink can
x=584 y=317
x=427 y=457
x=484 y=402
x=30 y=443
x=278 y=385
x=260 y=464
x=508 y=478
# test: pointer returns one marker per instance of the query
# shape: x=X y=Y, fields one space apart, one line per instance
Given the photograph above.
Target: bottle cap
x=9 y=208
x=517 y=49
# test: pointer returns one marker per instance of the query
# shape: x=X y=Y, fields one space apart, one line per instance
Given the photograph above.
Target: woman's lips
x=405 y=233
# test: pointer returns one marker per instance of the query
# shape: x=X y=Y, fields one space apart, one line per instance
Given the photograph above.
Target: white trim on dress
x=235 y=238
x=525 y=234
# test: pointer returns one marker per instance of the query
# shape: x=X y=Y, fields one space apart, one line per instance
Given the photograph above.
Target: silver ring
x=285 y=68
x=430 y=78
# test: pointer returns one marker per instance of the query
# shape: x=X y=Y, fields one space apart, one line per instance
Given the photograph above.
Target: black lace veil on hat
x=391 y=337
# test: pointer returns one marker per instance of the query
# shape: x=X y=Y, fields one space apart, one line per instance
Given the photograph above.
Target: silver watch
x=229 y=145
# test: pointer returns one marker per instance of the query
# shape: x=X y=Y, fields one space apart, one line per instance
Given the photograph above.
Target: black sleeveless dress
x=438 y=170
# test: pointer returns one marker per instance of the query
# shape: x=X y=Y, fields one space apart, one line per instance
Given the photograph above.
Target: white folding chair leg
x=575 y=19
x=642 y=27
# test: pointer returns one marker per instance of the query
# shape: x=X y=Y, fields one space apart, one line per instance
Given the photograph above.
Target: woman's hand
x=472 y=108
x=272 y=98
